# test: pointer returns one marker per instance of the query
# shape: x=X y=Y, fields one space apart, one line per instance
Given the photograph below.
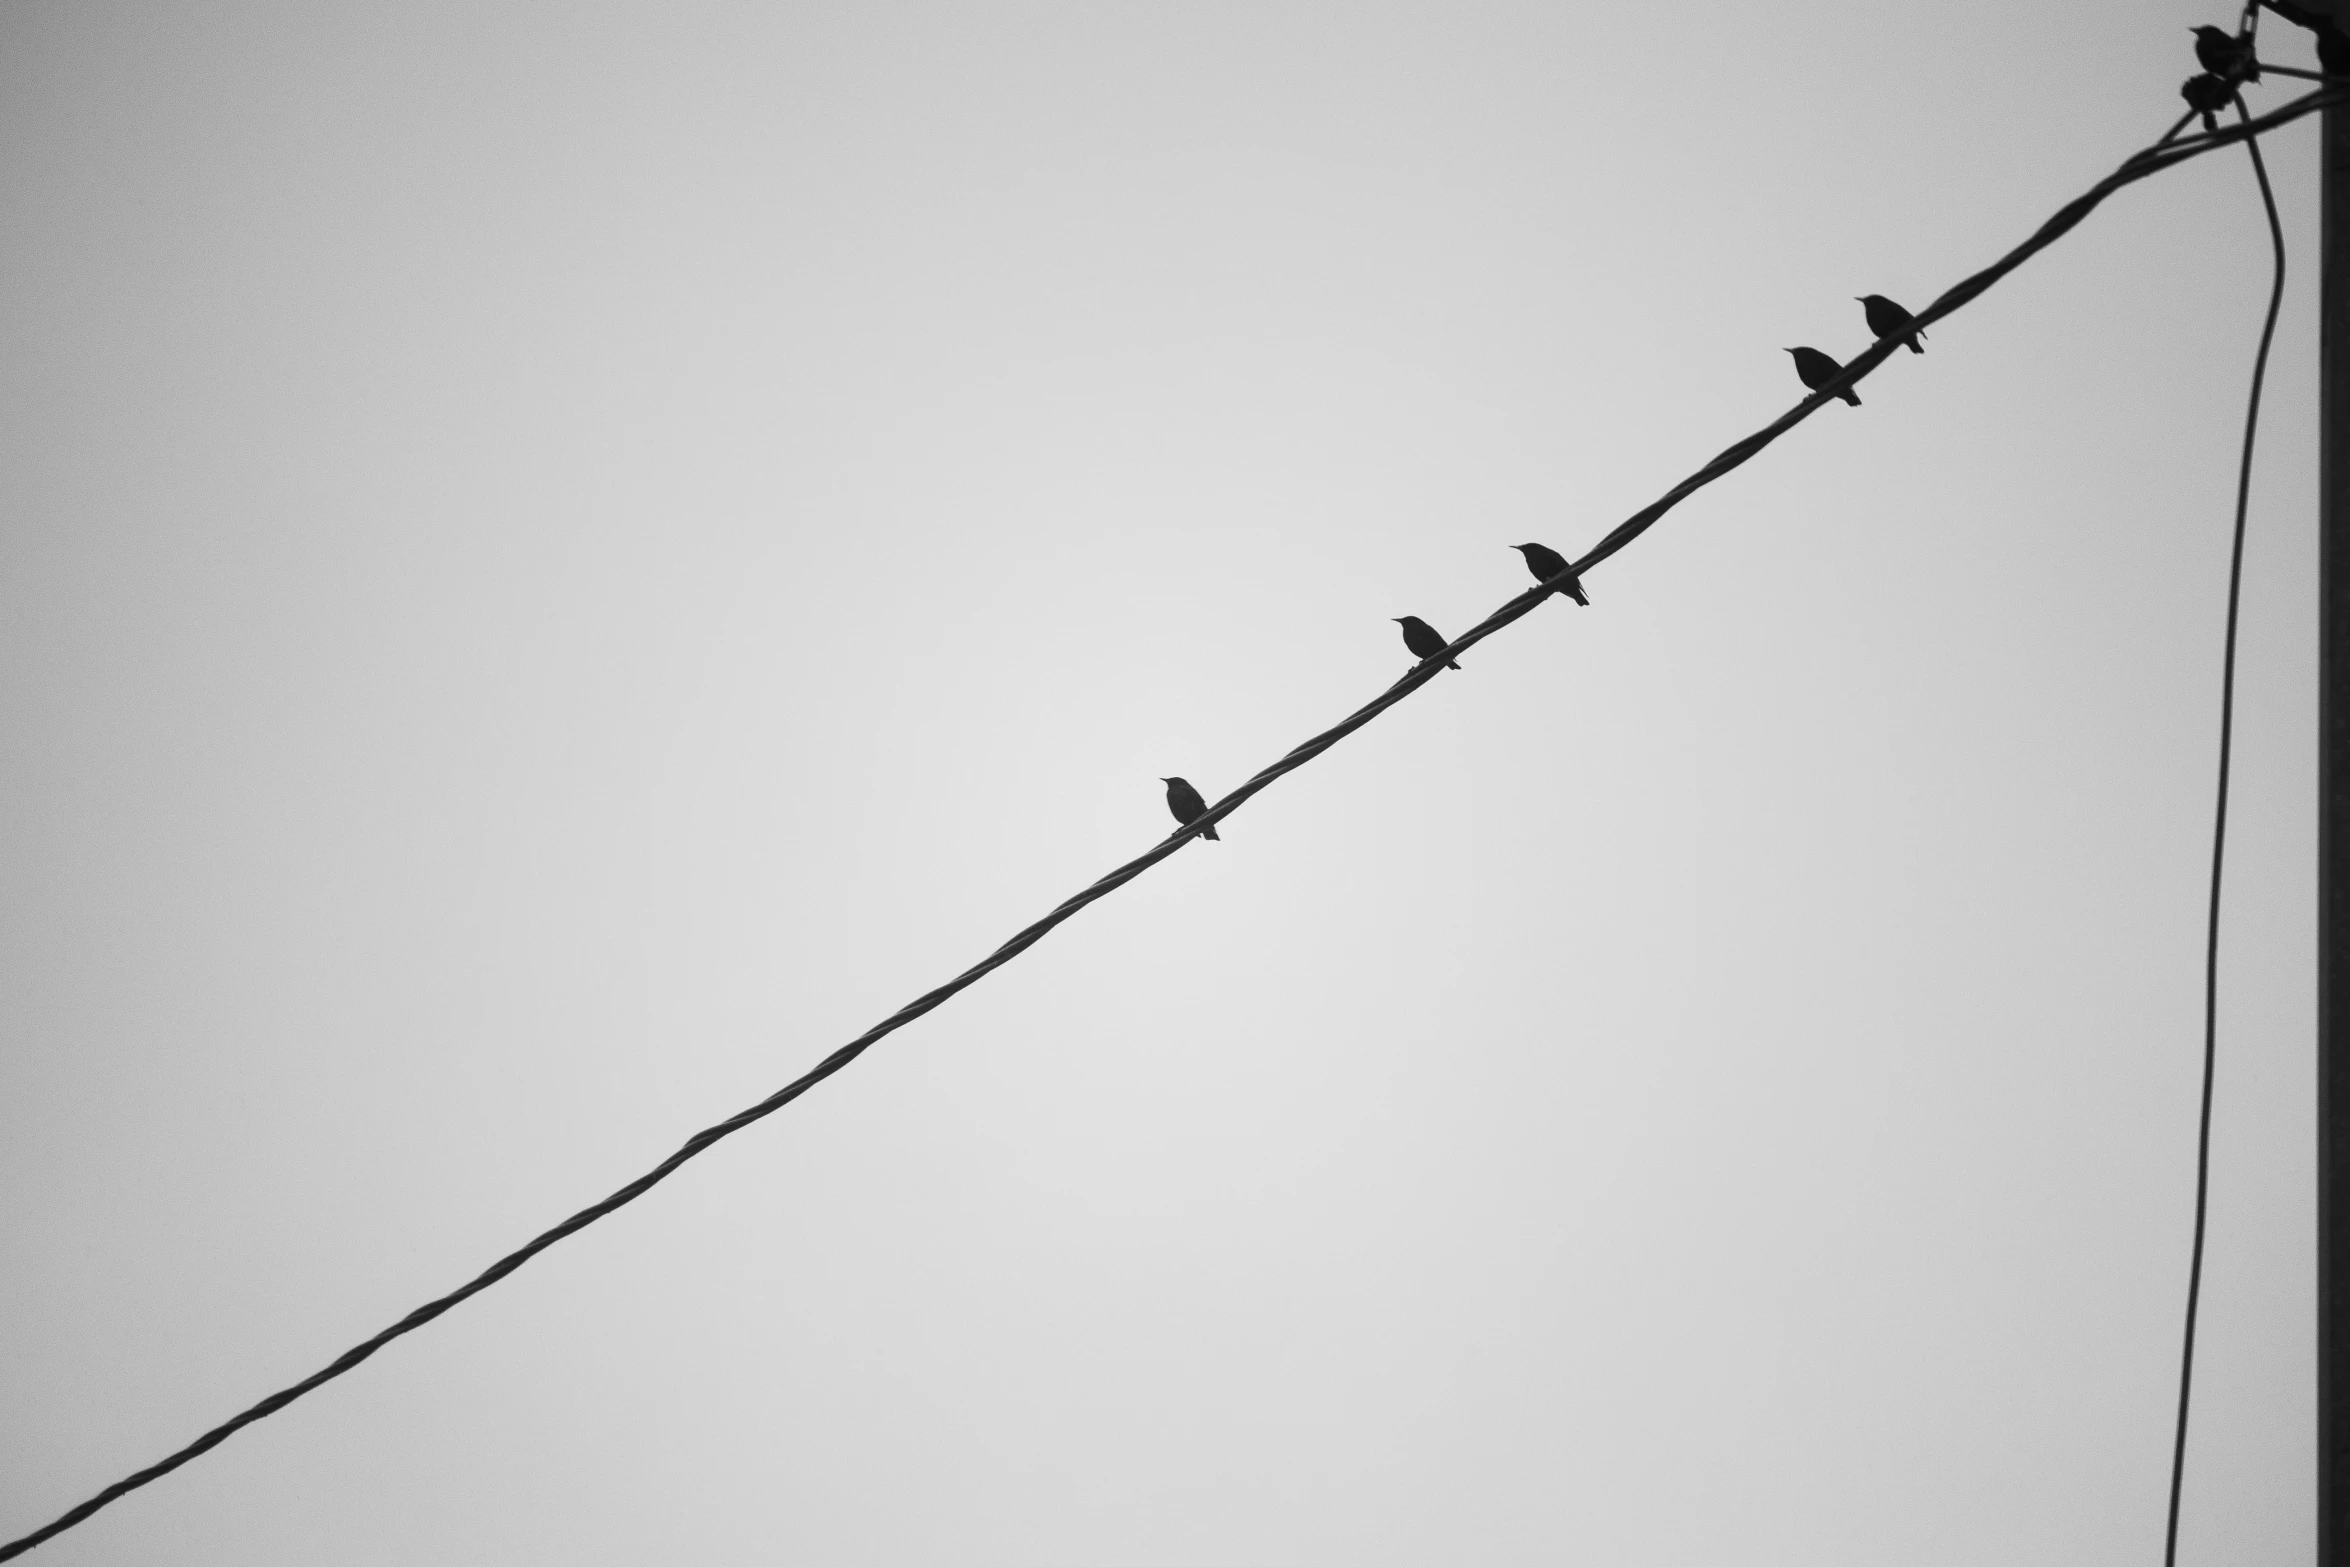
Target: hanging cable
x=2219 y=843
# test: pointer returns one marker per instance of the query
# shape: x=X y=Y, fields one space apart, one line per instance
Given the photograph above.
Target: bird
x=1887 y=318
x=1422 y=638
x=1547 y=563
x=2207 y=95
x=2225 y=55
x=1817 y=370
x=1184 y=801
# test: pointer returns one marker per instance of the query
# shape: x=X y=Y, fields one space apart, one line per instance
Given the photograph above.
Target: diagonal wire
x=2141 y=165
x=2152 y=161
x=2172 y=134
x=2219 y=843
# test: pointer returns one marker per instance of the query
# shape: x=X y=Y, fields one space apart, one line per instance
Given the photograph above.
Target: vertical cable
x=2219 y=843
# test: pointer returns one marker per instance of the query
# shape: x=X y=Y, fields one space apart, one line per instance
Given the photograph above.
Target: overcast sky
x=558 y=562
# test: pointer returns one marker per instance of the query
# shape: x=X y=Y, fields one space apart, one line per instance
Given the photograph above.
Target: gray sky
x=556 y=563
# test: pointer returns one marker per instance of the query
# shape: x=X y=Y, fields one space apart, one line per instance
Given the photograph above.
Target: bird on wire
x=1546 y=563
x=1422 y=638
x=1888 y=319
x=2207 y=95
x=1817 y=370
x=2225 y=55
x=1184 y=801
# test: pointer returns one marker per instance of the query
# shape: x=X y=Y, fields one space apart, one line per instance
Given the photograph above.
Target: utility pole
x=2333 y=804
x=2333 y=852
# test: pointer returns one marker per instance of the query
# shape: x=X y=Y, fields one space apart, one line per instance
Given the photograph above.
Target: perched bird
x=1887 y=319
x=2207 y=95
x=2225 y=55
x=1547 y=563
x=1422 y=638
x=1188 y=807
x=1817 y=370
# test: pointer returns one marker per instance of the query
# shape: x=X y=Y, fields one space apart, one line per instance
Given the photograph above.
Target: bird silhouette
x=1888 y=319
x=2225 y=55
x=2207 y=95
x=1184 y=801
x=1817 y=370
x=1422 y=638
x=1546 y=563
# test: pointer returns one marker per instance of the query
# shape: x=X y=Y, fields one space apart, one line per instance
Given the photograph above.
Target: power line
x=2219 y=844
x=2162 y=155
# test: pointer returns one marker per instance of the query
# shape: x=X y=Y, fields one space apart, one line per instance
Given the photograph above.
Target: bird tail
x=1449 y=664
x=1574 y=590
x=1209 y=832
x=1913 y=342
x=1853 y=397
